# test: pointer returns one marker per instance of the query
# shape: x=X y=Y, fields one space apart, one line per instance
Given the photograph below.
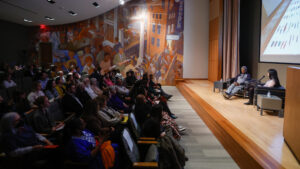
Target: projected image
x=280 y=37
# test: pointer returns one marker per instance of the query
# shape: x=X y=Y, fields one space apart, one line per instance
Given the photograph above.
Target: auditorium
x=154 y=84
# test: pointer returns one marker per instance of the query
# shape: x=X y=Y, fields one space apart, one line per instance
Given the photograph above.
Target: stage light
x=51 y=1
x=49 y=18
x=27 y=20
x=122 y=2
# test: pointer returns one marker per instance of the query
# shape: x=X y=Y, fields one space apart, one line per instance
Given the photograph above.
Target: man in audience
x=41 y=119
x=238 y=84
x=88 y=89
x=71 y=102
x=44 y=79
x=8 y=82
x=36 y=92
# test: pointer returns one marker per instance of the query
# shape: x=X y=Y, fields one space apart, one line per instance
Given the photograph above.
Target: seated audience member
x=41 y=119
x=122 y=90
x=44 y=80
x=37 y=92
x=130 y=78
x=50 y=90
x=61 y=75
x=92 y=118
x=272 y=82
x=115 y=102
x=109 y=116
x=142 y=109
x=88 y=88
x=70 y=102
x=53 y=71
x=8 y=82
x=70 y=78
x=19 y=139
x=60 y=87
x=76 y=77
x=95 y=87
x=81 y=93
x=238 y=84
x=30 y=71
x=21 y=105
x=97 y=75
x=84 y=147
x=107 y=80
x=155 y=88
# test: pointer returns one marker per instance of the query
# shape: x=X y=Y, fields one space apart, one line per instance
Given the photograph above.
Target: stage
x=252 y=140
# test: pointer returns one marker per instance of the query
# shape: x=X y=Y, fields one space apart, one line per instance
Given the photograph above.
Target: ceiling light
x=49 y=18
x=72 y=13
x=27 y=20
x=51 y=1
x=96 y=4
x=122 y=2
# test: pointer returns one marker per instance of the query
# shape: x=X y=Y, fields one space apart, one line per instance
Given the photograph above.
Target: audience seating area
x=68 y=120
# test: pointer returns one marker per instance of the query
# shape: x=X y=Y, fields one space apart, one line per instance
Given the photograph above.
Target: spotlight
x=49 y=18
x=27 y=20
x=122 y=2
x=51 y=1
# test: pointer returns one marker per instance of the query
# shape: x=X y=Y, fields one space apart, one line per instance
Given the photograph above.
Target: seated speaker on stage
x=272 y=82
x=238 y=84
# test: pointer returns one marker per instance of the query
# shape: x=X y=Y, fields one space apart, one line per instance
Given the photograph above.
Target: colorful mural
x=142 y=35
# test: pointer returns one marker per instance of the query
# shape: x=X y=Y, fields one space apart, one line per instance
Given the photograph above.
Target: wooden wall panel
x=292 y=114
x=215 y=40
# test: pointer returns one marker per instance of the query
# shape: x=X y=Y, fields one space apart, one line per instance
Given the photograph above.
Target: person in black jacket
x=142 y=109
x=70 y=102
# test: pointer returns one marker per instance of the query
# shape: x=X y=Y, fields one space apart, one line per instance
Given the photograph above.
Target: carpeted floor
x=202 y=148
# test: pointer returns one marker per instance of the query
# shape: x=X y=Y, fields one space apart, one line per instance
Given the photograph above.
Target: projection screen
x=280 y=31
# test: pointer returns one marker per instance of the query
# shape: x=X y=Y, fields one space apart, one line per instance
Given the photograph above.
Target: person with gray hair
x=18 y=138
x=238 y=84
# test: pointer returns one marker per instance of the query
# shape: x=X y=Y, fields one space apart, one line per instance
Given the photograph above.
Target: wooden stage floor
x=261 y=137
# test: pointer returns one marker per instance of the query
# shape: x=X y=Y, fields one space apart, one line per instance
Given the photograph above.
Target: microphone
x=261 y=78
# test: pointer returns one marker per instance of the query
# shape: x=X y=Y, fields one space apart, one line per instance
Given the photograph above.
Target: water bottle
x=269 y=94
x=221 y=80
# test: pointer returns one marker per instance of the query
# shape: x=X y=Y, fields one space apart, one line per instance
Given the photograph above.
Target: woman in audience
x=109 y=116
x=115 y=102
x=51 y=91
x=41 y=119
x=130 y=78
x=8 y=82
x=272 y=82
x=60 y=87
x=92 y=118
x=95 y=87
x=84 y=147
x=107 y=80
x=37 y=92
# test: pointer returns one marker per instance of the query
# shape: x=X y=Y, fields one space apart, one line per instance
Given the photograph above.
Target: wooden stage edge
x=243 y=150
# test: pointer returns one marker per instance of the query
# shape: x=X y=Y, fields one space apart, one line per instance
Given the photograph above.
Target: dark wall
x=14 y=42
x=250 y=34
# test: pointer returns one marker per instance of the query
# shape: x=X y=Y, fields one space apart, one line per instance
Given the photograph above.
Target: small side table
x=220 y=85
x=269 y=103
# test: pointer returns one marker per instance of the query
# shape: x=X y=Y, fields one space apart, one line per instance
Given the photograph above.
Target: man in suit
x=70 y=102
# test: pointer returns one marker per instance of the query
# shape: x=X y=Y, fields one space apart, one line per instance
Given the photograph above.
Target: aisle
x=202 y=148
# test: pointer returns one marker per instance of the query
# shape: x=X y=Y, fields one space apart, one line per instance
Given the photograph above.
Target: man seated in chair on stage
x=238 y=84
